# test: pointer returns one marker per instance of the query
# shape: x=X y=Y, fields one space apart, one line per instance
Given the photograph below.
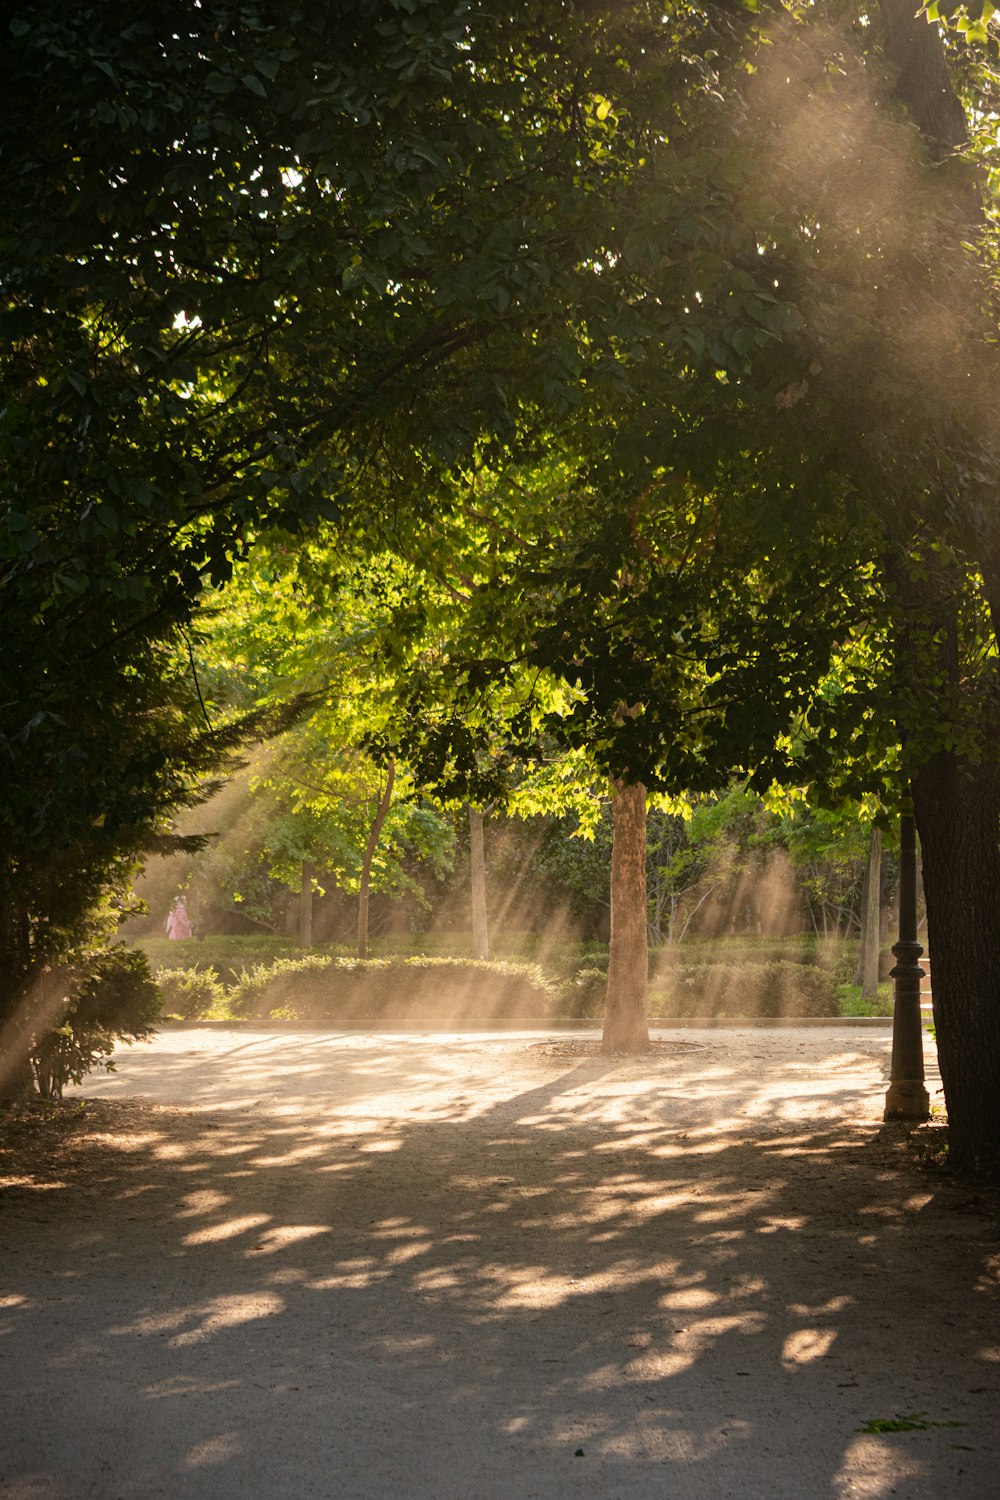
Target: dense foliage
x=653 y=353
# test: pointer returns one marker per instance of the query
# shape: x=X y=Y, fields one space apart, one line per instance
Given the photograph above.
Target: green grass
x=851 y=1004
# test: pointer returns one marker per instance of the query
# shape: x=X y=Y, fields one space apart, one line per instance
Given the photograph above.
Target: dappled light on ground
x=440 y=1268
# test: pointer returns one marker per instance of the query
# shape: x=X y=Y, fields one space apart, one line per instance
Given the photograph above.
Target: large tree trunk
x=625 y=1028
x=866 y=973
x=306 y=905
x=957 y=808
x=956 y=803
x=921 y=79
x=477 y=849
x=369 y=855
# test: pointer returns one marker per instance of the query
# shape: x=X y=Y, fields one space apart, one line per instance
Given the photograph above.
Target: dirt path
x=492 y=1268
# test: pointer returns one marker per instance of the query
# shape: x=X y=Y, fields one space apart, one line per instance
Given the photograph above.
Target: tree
x=866 y=973
x=245 y=249
x=625 y=1028
x=477 y=871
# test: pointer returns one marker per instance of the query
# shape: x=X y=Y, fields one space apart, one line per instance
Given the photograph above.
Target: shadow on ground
x=550 y=1290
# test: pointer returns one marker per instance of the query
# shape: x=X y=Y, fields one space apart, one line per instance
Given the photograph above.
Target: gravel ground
x=492 y=1267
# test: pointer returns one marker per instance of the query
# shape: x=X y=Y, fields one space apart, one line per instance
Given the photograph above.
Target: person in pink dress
x=179 y=922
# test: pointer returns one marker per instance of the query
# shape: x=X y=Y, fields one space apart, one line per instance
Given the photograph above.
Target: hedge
x=228 y=956
x=435 y=989
x=321 y=987
x=189 y=993
x=753 y=990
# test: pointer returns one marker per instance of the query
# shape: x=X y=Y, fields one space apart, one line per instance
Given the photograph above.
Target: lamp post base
x=907 y=1099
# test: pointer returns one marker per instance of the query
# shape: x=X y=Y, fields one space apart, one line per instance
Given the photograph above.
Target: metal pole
x=907 y=1098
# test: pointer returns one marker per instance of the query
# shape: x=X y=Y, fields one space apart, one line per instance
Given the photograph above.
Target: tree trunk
x=957 y=808
x=480 y=930
x=921 y=79
x=306 y=905
x=866 y=972
x=625 y=1028
x=957 y=803
x=369 y=855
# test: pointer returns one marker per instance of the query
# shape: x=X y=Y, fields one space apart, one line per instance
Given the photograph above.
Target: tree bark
x=368 y=857
x=957 y=807
x=306 y=905
x=477 y=849
x=956 y=802
x=921 y=80
x=625 y=1027
x=866 y=973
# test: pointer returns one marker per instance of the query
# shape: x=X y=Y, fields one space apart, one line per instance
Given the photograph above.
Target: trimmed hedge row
x=458 y=991
x=439 y=989
x=758 y=990
x=752 y=990
x=227 y=956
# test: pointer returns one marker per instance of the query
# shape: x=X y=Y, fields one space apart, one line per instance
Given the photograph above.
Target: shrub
x=584 y=997
x=189 y=993
x=835 y=954
x=438 y=989
x=227 y=955
x=109 y=994
x=753 y=990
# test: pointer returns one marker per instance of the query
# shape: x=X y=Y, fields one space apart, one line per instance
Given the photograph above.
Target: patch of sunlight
x=806 y=1345
x=771 y=1225
x=285 y=1158
x=692 y=1296
x=227 y=1230
x=354 y=1275
x=230 y=1311
x=172 y=1151
x=703 y=1330
x=820 y=1309
x=204 y=1202
x=993 y=1355
x=283 y=1235
x=438 y=1281
x=149 y=1325
x=130 y=1145
x=400 y=1254
x=750 y=1286
x=412 y=1343
x=29 y=1182
x=188 y=1385
x=880 y=1464
x=14 y=1300
x=536 y=1289
x=397 y=1228
x=660 y=1203
x=214 y=1450
x=729 y=1210
x=650 y=1366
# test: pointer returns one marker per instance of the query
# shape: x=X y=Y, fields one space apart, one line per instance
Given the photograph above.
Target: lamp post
x=907 y=1098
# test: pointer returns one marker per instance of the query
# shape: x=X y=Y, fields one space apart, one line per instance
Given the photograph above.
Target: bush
x=107 y=995
x=584 y=998
x=836 y=954
x=752 y=990
x=435 y=989
x=226 y=955
x=189 y=993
